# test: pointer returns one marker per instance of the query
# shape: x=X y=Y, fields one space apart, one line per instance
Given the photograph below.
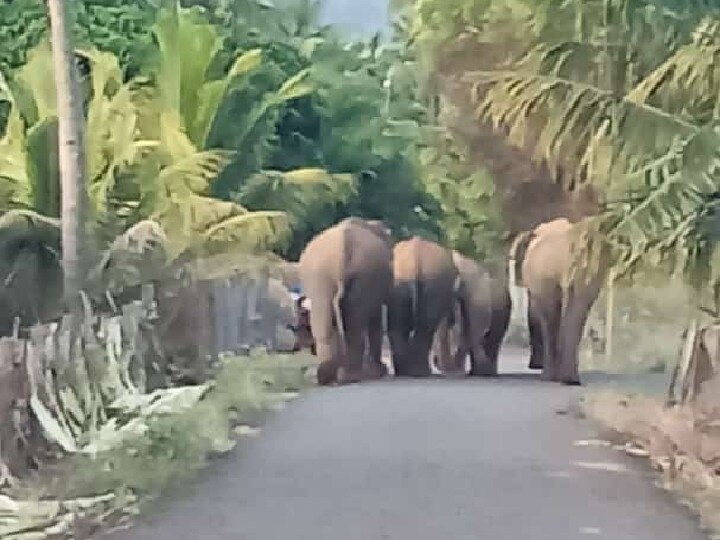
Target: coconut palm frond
x=194 y=173
x=567 y=124
x=250 y=231
x=686 y=84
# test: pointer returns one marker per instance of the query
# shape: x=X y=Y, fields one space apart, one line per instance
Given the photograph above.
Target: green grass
x=177 y=447
x=648 y=321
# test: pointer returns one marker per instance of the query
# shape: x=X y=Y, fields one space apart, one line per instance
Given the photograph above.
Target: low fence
x=60 y=388
x=252 y=312
x=57 y=385
x=228 y=316
x=698 y=363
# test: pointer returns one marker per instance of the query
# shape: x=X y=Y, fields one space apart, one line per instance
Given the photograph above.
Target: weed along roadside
x=486 y=176
x=680 y=442
x=174 y=435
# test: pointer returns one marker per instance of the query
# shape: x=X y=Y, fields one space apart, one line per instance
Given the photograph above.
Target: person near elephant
x=303 y=331
x=423 y=295
x=560 y=297
x=484 y=315
x=346 y=274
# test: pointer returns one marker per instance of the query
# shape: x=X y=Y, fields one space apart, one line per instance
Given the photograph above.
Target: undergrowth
x=177 y=446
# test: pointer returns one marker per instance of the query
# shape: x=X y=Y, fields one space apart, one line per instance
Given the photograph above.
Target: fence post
x=683 y=365
x=609 y=311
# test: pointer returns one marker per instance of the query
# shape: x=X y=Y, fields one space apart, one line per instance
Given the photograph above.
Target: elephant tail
x=415 y=299
x=517 y=256
x=342 y=286
x=337 y=309
x=415 y=290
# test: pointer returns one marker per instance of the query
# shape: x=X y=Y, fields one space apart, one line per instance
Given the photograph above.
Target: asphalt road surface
x=455 y=459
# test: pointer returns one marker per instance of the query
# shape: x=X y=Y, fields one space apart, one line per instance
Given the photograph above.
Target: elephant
x=484 y=315
x=517 y=256
x=559 y=301
x=423 y=295
x=346 y=274
x=500 y=309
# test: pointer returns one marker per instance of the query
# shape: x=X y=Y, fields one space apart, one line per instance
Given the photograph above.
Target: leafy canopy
x=627 y=105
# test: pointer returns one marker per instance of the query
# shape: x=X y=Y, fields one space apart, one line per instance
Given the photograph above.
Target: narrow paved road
x=425 y=460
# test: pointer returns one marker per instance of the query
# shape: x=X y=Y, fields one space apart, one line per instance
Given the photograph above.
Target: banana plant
x=203 y=127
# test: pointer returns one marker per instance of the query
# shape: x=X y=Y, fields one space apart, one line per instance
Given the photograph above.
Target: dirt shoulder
x=682 y=443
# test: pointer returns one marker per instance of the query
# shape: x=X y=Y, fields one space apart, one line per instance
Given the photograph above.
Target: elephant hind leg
x=493 y=342
x=399 y=345
x=547 y=309
x=481 y=366
x=373 y=367
x=399 y=326
x=480 y=363
x=535 y=334
x=354 y=323
x=325 y=342
x=327 y=373
x=442 y=356
x=419 y=352
x=495 y=337
x=578 y=302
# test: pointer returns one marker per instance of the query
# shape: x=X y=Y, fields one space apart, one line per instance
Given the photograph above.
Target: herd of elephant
x=353 y=272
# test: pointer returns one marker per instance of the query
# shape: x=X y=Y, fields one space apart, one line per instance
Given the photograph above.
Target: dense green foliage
x=351 y=123
x=118 y=26
x=232 y=125
x=620 y=94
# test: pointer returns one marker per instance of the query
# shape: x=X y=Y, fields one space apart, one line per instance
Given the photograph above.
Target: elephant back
x=417 y=258
x=549 y=233
x=518 y=250
x=548 y=255
x=365 y=244
x=476 y=290
x=375 y=226
x=321 y=254
x=427 y=269
x=348 y=248
x=424 y=258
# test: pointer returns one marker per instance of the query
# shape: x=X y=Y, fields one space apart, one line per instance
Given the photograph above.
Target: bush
x=172 y=451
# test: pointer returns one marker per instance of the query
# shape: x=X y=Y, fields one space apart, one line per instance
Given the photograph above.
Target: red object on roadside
x=303 y=332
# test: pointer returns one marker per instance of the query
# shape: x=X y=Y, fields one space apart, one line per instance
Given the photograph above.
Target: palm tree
x=153 y=149
x=627 y=106
x=71 y=147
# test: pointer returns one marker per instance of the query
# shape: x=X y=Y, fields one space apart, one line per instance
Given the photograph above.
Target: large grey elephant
x=423 y=295
x=346 y=273
x=501 y=308
x=559 y=302
x=484 y=314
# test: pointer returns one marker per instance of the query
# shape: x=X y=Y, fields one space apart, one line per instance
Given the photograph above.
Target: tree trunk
x=71 y=149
